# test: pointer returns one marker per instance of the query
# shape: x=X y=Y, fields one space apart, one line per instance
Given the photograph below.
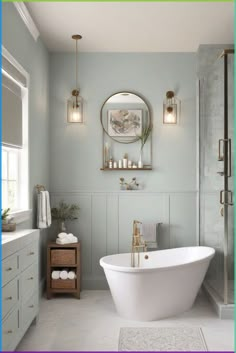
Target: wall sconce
x=170 y=109
x=75 y=103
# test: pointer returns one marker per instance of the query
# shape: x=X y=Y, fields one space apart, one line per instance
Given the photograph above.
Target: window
x=15 y=193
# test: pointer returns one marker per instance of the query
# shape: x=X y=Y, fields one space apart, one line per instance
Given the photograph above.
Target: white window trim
x=21 y=216
x=25 y=212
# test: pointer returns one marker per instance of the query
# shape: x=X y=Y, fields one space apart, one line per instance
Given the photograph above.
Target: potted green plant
x=64 y=212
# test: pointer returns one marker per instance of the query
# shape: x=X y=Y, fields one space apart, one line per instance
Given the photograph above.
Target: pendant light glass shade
x=75 y=109
x=75 y=103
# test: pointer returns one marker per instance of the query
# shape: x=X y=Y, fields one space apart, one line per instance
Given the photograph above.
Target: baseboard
x=225 y=312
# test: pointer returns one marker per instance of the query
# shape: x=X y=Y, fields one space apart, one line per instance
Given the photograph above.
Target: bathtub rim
x=130 y=269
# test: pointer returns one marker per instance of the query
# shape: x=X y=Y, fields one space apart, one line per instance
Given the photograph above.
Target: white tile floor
x=91 y=324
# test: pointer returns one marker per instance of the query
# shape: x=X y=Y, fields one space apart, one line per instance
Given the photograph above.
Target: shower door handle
x=229 y=198
x=229 y=174
x=221 y=155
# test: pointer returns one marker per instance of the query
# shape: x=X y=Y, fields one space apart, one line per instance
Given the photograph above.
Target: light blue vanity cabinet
x=20 y=285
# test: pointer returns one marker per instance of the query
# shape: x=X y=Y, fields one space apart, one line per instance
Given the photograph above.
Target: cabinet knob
x=31 y=253
x=9 y=269
x=9 y=331
x=31 y=306
x=8 y=298
x=30 y=278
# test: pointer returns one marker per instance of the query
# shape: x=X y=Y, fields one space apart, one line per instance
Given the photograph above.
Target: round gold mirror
x=125 y=117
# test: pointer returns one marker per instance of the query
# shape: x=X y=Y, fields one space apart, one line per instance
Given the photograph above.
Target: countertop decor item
x=65 y=212
x=75 y=103
x=7 y=224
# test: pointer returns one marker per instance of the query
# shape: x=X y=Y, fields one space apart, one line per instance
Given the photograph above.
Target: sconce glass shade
x=75 y=109
x=170 y=109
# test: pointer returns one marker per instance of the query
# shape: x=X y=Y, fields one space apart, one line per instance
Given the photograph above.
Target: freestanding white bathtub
x=165 y=284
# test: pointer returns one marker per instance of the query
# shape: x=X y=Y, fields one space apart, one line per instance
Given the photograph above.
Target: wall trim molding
x=27 y=19
x=122 y=192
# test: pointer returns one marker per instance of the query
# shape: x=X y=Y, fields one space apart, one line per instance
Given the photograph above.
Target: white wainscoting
x=105 y=223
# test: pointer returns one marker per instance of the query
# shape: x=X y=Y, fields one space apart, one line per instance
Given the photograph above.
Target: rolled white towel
x=71 y=275
x=62 y=235
x=63 y=274
x=55 y=274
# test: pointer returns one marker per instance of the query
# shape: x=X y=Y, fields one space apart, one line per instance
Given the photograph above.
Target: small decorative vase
x=140 y=162
x=62 y=226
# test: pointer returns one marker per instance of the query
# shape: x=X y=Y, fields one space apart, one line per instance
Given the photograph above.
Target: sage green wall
x=34 y=58
x=76 y=150
x=169 y=193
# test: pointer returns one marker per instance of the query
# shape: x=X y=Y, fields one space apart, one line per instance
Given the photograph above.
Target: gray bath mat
x=159 y=339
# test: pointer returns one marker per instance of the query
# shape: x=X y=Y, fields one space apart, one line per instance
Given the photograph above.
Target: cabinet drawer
x=10 y=330
x=9 y=296
x=29 y=255
x=63 y=257
x=63 y=283
x=29 y=281
x=9 y=268
x=29 y=310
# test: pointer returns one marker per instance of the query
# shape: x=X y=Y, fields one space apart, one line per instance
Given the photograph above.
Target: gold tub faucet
x=137 y=244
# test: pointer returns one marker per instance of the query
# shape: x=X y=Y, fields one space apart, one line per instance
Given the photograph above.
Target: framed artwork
x=124 y=122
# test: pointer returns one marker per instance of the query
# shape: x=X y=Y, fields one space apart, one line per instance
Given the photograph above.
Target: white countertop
x=14 y=241
x=10 y=236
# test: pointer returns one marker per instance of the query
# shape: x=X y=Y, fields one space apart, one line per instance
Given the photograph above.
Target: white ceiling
x=133 y=26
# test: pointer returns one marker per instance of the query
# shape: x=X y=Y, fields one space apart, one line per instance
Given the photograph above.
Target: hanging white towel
x=149 y=232
x=44 y=218
x=48 y=209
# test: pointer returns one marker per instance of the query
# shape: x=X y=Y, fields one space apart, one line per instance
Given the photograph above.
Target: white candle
x=125 y=163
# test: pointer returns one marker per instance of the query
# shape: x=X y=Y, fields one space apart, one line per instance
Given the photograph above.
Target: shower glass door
x=216 y=219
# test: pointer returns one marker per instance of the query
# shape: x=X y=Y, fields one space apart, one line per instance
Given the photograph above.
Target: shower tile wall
x=211 y=77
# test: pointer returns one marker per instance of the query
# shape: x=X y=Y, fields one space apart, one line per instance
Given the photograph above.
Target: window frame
x=24 y=212
x=9 y=150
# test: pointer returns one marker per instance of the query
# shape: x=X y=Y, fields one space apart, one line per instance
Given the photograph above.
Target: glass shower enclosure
x=216 y=187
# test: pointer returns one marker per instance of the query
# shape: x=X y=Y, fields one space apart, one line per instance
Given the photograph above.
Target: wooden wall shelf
x=130 y=169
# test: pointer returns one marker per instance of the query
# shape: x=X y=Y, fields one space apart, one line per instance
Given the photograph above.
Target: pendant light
x=75 y=103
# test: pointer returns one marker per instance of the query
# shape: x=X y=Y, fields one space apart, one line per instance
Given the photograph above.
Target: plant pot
x=8 y=227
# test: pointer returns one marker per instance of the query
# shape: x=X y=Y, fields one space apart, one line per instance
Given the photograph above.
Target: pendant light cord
x=76 y=67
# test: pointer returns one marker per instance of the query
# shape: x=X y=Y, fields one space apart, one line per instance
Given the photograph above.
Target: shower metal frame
x=226 y=198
